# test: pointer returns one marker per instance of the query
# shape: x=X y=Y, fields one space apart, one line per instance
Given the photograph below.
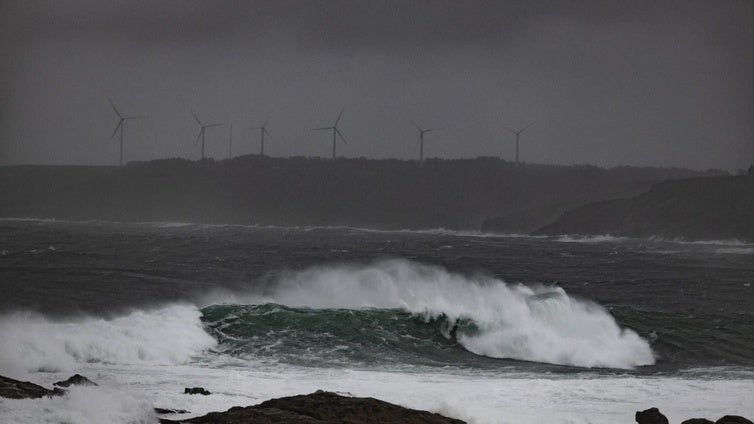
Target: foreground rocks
x=15 y=389
x=650 y=416
x=75 y=380
x=316 y=408
x=654 y=416
x=196 y=391
x=320 y=408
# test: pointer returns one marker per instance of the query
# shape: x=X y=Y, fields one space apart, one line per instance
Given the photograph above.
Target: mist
x=605 y=83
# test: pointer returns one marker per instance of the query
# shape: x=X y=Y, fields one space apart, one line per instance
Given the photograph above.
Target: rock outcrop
x=321 y=408
x=654 y=416
x=196 y=391
x=651 y=416
x=75 y=380
x=15 y=389
x=733 y=419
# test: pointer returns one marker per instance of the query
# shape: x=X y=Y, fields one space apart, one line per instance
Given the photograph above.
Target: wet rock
x=650 y=416
x=75 y=380
x=173 y=411
x=15 y=389
x=196 y=391
x=321 y=408
x=733 y=419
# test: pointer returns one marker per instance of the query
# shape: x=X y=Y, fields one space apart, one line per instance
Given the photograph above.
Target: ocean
x=488 y=329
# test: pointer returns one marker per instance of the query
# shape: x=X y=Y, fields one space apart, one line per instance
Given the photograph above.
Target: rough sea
x=488 y=329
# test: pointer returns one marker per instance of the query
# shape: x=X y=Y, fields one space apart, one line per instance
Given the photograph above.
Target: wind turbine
x=335 y=132
x=518 y=134
x=230 y=143
x=421 y=141
x=201 y=131
x=262 y=131
x=121 y=120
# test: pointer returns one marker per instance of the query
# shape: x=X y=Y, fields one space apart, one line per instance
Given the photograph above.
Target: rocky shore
x=320 y=407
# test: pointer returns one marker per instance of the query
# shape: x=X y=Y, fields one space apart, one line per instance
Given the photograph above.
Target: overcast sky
x=663 y=83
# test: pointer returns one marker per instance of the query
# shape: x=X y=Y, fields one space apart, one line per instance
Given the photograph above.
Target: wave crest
x=541 y=324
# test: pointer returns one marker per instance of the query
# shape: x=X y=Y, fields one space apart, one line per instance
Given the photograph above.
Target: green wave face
x=339 y=337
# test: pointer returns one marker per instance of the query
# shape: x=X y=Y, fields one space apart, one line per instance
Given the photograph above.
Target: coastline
x=317 y=407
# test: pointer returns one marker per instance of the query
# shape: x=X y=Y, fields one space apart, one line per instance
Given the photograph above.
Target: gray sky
x=607 y=82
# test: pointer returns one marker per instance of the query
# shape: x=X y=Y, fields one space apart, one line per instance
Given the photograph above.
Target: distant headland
x=487 y=194
x=712 y=208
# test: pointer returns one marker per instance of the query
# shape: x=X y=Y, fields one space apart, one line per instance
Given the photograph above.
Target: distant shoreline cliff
x=712 y=208
x=461 y=194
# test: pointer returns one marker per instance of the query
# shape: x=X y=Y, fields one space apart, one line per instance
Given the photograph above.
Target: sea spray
x=81 y=405
x=168 y=335
x=531 y=323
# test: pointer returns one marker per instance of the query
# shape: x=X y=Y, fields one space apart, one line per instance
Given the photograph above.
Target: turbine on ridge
x=335 y=133
x=262 y=131
x=518 y=134
x=421 y=141
x=201 y=131
x=121 y=121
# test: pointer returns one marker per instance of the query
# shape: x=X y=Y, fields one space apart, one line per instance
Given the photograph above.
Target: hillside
x=383 y=194
x=713 y=208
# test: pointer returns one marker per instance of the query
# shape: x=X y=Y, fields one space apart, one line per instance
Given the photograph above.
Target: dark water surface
x=693 y=302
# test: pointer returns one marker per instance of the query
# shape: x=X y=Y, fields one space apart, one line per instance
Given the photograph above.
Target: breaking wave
x=33 y=343
x=484 y=315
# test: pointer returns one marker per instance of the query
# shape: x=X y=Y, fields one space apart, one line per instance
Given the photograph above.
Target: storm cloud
x=606 y=82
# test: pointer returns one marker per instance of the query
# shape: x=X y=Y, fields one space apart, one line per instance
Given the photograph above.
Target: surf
x=512 y=321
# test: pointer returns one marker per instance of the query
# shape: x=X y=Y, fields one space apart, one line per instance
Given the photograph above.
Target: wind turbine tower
x=335 y=133
x=421 y=141
x=201 y=131
x=230 y=143
x=121 y=121
x=518 y=134
x=262 y=131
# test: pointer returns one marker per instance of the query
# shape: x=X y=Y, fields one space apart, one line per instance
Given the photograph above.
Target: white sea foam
x=477 y=397
x=541 y=324
x=81 y=405
x=606 y=238
x=168 y=335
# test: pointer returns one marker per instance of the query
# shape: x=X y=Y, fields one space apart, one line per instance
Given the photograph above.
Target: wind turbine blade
x=198 y=136
x=524 y=128
x=341 y=135
x=265 y=130
x=114 y=108
x=197 y=119
x=514 y=132
x=135 y=117
x=339 y=115
x=120 y=123
x=212 y=125
x=417 y=126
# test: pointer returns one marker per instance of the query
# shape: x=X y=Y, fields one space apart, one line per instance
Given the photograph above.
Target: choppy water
x=459 y=319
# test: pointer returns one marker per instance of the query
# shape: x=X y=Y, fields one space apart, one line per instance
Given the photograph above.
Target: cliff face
x=384 y=194
x=713 y=208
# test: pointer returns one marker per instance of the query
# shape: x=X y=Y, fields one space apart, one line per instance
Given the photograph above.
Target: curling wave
x=486 y=316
